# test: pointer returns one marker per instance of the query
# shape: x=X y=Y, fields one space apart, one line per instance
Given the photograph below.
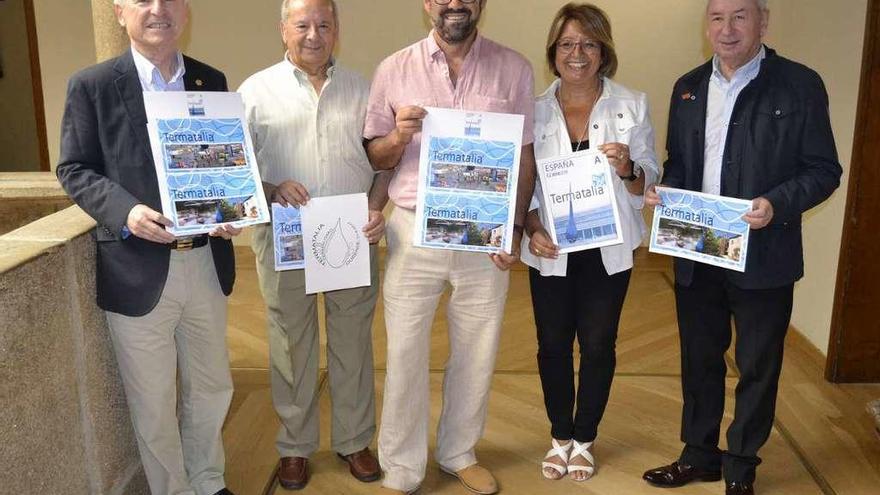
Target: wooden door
x=854 y=349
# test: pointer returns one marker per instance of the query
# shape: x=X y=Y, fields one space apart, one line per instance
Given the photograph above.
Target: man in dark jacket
x=165 y=298
x=748 y=124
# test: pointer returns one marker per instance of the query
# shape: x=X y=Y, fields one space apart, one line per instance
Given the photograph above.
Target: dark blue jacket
x=106 y=166
x=779 y=145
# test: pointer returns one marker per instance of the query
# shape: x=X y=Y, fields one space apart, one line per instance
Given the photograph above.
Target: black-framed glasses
x=447 y=2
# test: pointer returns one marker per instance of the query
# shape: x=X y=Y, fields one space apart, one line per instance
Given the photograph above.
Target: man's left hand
x=761 y=214
x=506 y=260
x=225 y=231
x=375 y=227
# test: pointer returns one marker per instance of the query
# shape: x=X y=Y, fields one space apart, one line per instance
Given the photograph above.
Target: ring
x=538 y=251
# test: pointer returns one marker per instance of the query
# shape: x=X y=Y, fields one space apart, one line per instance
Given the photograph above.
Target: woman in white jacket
x=581 y=294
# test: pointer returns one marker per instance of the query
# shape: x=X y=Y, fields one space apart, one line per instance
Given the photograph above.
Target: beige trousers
x=181 y=341
x=294 y=356
x=415 y=278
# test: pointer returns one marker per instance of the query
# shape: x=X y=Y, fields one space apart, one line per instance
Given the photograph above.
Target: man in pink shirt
x=454 y=67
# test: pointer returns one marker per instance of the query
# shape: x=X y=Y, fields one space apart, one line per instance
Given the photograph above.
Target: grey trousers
x=294 y=356
x=181 y=341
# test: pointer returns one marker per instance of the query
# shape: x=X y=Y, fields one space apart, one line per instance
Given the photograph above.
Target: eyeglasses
x=446 y=2
x=568 y=46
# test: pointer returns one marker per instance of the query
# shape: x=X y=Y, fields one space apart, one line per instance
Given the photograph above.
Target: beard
x=455 y=32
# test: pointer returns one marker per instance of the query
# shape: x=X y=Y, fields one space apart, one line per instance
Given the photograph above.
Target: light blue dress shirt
x=719 y=108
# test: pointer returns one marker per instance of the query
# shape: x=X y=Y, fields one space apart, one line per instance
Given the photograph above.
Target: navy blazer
x=779 y=145
x=106 y=166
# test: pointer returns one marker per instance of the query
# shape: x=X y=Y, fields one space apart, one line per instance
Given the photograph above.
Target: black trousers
x=761 y=318
x=585 y=303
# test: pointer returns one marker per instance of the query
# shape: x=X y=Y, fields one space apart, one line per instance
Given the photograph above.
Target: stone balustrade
x=64 y=422
x=27 y=196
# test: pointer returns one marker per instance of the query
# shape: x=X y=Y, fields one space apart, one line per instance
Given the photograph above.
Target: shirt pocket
x=546 y=131
x=617 y=128
x=483 y=103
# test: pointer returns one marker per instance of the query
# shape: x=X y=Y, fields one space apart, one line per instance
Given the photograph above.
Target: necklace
x=587 y=120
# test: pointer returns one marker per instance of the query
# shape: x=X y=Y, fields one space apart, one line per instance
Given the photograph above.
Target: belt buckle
x=184 y=244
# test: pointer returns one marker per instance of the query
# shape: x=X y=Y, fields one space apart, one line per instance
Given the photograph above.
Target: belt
x=189 y=243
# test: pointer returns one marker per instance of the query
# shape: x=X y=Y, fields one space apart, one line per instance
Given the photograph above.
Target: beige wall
x=657 y=40
x=64 y=33
x=18 y=133
x=244 y=38
x=827 y=37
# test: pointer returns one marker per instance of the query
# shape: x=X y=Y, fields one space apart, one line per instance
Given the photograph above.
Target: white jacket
x=619 y=116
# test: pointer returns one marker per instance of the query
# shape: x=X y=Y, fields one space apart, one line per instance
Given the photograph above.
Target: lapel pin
x=688 y=96
x=199 y=82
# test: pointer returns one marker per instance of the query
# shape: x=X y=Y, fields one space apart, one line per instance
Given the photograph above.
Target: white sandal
x=583 y=450
x=560 y=451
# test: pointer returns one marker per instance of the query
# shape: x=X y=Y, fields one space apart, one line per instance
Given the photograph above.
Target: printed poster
x=578 y=198
x=204 y=161
x=337 y=252
x=701 y=227
x=287 y=236
x=468 y=173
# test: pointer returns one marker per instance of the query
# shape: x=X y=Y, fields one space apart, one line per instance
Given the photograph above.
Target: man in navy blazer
x=164 y=297
x=748 y=124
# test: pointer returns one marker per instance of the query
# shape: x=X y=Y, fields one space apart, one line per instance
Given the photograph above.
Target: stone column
x=110 y=37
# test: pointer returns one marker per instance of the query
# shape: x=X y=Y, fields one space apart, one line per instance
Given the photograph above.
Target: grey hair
x=121 y=3
x=762 y=4
x=285 y=10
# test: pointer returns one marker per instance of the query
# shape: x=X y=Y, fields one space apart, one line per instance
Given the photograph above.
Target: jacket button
x=778 y=112
x=595 y=126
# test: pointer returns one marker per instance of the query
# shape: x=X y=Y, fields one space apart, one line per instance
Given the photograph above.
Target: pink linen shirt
x=493 y=78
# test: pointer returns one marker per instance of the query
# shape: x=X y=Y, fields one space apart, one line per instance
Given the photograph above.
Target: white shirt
x=151 y=78
x=620 y=115
x=313 y=139
x=719 y=108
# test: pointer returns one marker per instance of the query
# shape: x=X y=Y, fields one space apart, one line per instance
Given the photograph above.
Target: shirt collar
x=150 y=74
x=747 y=71
x=434 y=48
x=301 y=76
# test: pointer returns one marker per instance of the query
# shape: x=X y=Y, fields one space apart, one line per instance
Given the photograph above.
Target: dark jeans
x=761 y=318
x=585 y=303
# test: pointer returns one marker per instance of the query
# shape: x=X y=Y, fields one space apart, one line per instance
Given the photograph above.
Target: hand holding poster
x=578 y=199
x=204 y=161
x=701 y=227
x=468 y=175
x=288 y=238
x=337 y=253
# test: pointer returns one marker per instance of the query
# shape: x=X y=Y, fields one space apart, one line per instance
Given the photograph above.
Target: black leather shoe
x=224 y=492
x=676 y=474
x=739 y=488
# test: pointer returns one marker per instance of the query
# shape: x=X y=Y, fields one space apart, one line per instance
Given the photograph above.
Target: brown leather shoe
x=293 y=473
x=362 y=465
x=739 y=488
x=676 y=474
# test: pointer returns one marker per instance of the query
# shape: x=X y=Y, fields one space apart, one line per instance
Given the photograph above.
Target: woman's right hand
x=542 y=246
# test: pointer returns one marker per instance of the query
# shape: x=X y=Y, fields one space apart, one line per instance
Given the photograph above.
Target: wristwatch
x=634 y=175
